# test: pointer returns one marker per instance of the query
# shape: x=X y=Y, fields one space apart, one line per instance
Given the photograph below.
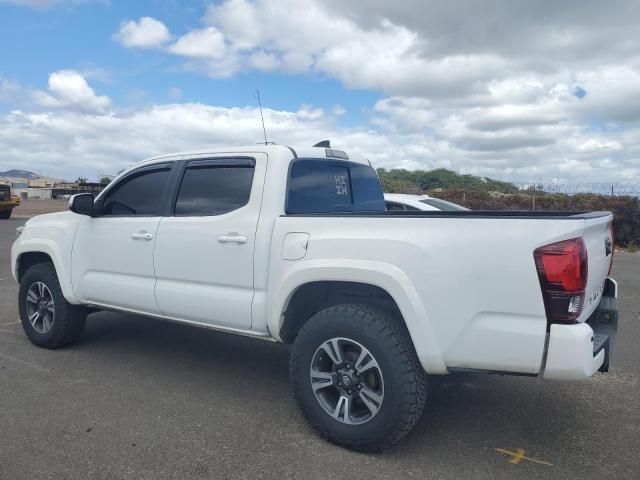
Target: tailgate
x=598 y=239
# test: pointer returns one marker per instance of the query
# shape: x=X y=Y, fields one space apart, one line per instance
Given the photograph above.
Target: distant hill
x=26 y=174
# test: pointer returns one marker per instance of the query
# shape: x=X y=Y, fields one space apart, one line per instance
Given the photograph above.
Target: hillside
x=419 y=181
x=20 y=174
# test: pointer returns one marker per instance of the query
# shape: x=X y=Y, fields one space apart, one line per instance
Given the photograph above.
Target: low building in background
x=63 y=190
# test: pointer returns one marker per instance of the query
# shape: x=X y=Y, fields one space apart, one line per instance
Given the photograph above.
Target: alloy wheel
x=347 y=381
x=40 y=307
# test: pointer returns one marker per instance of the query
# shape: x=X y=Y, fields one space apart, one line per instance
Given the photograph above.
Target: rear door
x=205 y=247
x=112 y=258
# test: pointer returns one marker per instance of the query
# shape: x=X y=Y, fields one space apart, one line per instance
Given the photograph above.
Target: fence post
x=612 y=189
x=533 y=206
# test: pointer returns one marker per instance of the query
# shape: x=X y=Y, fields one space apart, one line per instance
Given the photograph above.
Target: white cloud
x=496 y=88
x=264 y=61
x=68 y=89
x=9 y=89
x=145 y=33
x=297 y=62
x=309 y=113
x=239 y=20
x=338 y=110
x=612 y=93
x=408 y=114
x=201 y=43
x=594 y=144
x=383 y=55
x=68 y=143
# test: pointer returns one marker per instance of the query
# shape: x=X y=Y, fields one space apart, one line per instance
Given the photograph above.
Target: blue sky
x=511 y=90
x=79 y=37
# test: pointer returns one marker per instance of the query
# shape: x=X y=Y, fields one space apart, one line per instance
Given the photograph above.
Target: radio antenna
x=264 y=130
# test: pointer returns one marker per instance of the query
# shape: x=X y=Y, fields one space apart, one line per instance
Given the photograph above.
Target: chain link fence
x=30 y=207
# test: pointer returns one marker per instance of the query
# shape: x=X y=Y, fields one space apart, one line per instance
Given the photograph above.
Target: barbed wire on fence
x=613 y=189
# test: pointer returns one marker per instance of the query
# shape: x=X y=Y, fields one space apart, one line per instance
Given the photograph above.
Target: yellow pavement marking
x=519 y=455
x=14 y=323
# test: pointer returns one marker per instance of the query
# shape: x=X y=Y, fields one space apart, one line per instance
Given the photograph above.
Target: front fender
x=380 y=274
x=53 y=250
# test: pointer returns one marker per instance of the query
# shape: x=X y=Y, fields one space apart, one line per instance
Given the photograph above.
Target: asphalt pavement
x=143 y=399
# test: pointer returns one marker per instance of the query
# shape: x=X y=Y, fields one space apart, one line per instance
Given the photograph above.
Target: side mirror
x=82 y=203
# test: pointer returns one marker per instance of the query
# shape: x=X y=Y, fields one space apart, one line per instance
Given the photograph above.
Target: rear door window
x=213 y=190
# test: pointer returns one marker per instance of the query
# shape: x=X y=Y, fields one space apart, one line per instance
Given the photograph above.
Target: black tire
x=5 y=215
x=68 y=320
x=388 y=341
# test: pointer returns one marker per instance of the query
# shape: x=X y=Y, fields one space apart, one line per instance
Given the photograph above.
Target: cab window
x=138 y=194
x=214 y=190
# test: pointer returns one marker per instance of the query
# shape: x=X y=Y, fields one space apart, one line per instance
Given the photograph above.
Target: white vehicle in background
x=295 y=245
x=405 y=202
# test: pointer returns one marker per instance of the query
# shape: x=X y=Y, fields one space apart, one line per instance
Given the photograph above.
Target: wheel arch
x=311 y=286
x=31 y=253
x=27 y=260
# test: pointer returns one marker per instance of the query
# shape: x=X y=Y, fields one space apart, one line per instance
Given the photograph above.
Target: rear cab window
x=332 y=186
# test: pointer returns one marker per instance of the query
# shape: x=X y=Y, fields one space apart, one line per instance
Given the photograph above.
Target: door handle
x=142 y=236
x=232 y=238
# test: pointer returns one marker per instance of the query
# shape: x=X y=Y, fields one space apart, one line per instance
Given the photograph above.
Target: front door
x=205 y=247
x=112 y=257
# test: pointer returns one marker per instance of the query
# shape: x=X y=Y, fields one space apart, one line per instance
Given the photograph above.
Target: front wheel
x=47 y=318
x=357 y=378
x=6 y=214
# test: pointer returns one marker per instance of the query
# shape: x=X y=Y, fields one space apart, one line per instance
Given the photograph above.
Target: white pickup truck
x=294 y=245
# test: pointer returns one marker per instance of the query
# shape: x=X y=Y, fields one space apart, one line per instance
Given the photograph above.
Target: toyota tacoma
x=294 y=245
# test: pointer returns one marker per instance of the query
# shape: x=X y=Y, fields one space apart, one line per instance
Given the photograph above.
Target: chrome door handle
x=142 y=236
x=232 y=238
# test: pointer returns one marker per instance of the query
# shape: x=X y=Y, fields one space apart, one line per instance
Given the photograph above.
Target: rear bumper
x=577 y=351
x=570 y=353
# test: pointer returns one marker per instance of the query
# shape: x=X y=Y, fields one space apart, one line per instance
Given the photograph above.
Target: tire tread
x=396 y=338
x=69 y=319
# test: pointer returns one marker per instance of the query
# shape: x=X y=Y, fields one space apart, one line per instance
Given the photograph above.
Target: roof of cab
x=300 y=152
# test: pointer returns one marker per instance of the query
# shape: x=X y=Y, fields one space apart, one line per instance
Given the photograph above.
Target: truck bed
x=478 y=293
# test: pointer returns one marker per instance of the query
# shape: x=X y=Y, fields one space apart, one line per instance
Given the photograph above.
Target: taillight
x=562 y=270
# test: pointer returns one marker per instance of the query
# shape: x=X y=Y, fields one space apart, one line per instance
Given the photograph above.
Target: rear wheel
x=4 y=215
x=357 y=378
x=47 y=318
